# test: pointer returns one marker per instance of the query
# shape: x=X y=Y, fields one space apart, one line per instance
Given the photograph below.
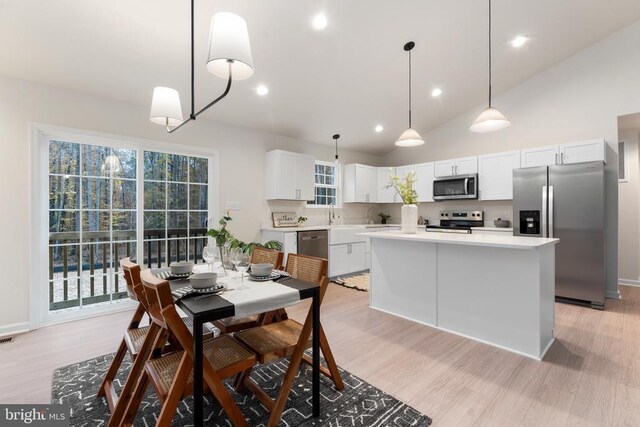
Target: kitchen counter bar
x=495 y=289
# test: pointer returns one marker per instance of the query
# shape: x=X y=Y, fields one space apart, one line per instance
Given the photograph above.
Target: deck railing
x=68 y=257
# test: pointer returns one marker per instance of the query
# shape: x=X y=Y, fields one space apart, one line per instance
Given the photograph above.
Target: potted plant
x=409 y=196
x=383 y=217
x=302 y=220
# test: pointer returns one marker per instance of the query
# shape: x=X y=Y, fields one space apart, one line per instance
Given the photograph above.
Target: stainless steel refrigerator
x=567 y=202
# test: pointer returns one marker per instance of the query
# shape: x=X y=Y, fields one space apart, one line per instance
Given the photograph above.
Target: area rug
x=359 y=282
x=359 y=404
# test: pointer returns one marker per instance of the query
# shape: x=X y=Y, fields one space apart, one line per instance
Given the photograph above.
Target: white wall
x=579 y=98
x=242 y=168
x=629 y=217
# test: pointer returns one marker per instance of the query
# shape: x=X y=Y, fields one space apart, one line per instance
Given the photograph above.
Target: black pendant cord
x=336 y=137
x=195 y=114
x=409 y=88
x=489 y=53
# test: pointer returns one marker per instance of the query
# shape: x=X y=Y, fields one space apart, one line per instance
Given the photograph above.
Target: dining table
x=202 y=309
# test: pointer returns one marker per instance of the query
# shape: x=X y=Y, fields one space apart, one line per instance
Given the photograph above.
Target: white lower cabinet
x=289 y=240
x=347 y=258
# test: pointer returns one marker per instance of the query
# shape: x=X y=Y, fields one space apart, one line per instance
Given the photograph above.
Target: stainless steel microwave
x=456 y=187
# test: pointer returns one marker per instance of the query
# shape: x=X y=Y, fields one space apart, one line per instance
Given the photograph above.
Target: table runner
x=260 y=297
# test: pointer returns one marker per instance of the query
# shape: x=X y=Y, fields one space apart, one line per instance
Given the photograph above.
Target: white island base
x=499 y=290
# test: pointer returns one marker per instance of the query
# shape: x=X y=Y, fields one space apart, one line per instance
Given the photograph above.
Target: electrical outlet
x=507 y=214
x=233 y=206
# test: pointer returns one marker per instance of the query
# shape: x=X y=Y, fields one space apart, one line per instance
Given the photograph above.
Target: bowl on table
x=261 y=270
x=181 y=267
x=203 y=280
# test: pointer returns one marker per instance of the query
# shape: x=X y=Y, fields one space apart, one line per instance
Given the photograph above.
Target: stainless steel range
x=458 y=221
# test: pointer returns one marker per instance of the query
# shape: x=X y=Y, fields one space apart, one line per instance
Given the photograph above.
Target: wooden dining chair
x=289 y=338
x=134 y=337
x=235 y=324
x=172 y=374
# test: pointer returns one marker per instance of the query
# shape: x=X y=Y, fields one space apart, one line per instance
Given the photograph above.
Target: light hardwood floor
x=591 y=375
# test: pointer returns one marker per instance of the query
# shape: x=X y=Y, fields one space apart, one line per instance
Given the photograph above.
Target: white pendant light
x=490 y=120
x=229 y=41
x=410 y=137
x=165 y=107
x=229 y=58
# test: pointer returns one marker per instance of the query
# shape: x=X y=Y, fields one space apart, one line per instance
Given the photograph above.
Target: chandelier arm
x=215 y=101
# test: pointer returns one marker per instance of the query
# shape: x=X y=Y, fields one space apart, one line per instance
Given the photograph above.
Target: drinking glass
x=243 y=261
x=209 y=255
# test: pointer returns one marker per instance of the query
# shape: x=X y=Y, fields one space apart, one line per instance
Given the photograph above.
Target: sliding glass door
x=109 y=200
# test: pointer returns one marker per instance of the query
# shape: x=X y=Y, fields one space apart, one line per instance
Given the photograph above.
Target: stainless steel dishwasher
x=314 y=243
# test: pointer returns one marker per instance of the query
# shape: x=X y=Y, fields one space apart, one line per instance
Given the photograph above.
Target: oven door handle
x=466 y=186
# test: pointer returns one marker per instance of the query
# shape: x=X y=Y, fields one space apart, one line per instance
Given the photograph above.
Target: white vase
x=409 y=219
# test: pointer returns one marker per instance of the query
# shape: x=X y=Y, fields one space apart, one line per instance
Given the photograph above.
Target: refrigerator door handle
x=544 y=211
x=551 y=211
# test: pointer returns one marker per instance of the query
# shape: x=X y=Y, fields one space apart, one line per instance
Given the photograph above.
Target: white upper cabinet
x=591 y=150
x=466 y=165
x=539 y=156
x=290 y=176
x=461 y=166
x=444 y=167
x=583 y=151
x=495 y=175
x=424 y=181
x=385 y=195
x=360 y=184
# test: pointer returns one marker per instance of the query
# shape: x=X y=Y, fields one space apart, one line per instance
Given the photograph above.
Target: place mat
x=259 y=297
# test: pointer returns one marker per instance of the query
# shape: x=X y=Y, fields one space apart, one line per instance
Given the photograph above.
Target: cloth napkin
x=260 y=297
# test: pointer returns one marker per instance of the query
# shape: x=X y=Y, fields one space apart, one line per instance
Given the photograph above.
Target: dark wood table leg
x=198 y=416
x=316 y=354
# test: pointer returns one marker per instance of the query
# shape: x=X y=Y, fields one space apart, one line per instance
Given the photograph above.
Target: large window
x=175 y=207
x=92 y=222
x=108 y=199
x=326 y=185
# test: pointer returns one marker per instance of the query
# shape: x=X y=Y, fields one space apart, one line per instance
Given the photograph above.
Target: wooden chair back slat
x=307 y=268
x=158 y=293
x=267 y=256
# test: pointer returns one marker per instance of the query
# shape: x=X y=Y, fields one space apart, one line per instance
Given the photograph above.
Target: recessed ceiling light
x=436 y=92
x=379 y=128
x=262 y=90
x=319 y=21
x=519 y=41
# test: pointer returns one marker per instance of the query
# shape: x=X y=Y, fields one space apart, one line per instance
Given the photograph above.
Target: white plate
x=273 y=276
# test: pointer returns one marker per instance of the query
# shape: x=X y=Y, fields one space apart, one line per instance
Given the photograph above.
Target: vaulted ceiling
x=347 y=79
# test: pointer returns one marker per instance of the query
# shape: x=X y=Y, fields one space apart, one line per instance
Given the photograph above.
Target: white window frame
x=337 y=185
x=625 y=144
x=38 y=235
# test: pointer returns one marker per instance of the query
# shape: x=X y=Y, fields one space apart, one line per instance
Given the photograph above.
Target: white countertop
x=327 y=227
x=503 y=229
x=489 y=240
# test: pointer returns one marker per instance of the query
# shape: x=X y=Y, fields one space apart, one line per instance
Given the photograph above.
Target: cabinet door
x=539 y=156
x=466 y=165
x=287 y=175
x=338 y=260
x=444 y=167
x=306 y=167
x=496 y=175
x=366 y=184
x=424 y=182
x=583 y=151
x=290 y=245
x=385 y=195
x=357 y=257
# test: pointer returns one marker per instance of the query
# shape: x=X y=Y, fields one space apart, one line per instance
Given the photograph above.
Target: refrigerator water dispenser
x=530 y=222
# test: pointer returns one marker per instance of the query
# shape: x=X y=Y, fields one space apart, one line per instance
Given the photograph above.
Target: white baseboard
x=14 y=329
x=629 y=282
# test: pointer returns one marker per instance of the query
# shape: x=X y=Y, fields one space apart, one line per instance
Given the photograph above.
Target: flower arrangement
x=223 y=237
x=404 y=187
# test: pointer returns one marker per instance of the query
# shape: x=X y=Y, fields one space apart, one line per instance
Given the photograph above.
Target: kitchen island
x=496 y=289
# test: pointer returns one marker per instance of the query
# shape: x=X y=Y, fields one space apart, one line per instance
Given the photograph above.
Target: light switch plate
x=233 y=206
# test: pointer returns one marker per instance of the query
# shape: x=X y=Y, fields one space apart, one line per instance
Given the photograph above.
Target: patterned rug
x=359 y=404
x=359 y=282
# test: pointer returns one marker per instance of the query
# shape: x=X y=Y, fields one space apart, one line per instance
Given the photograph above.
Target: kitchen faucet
x=332 y=214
